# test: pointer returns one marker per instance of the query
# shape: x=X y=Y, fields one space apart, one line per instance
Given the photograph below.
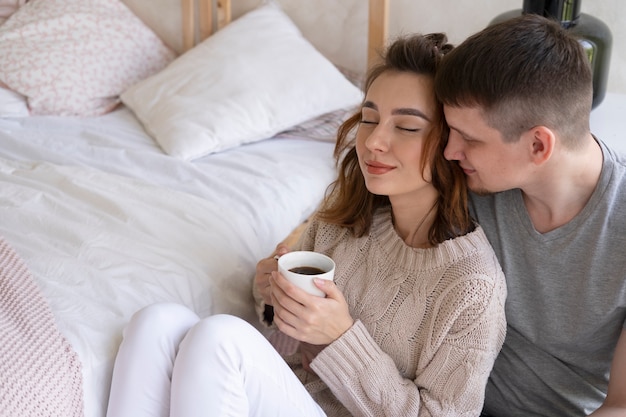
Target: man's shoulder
x=613 y=157
x=613 y=178
x=492 y=202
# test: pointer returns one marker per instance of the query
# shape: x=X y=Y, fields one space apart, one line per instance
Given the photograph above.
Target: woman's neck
x=412 y=221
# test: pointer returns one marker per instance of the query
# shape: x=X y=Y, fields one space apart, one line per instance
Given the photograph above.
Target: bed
x=136 y=169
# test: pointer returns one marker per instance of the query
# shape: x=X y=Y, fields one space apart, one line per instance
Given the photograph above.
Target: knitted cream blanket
x=40 y=374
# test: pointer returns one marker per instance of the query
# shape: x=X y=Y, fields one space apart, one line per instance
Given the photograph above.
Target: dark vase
x=594 y=35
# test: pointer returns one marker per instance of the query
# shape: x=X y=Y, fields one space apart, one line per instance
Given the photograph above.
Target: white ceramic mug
x=290 y=265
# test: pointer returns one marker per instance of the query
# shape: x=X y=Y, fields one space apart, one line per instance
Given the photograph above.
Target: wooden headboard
x=212 y=14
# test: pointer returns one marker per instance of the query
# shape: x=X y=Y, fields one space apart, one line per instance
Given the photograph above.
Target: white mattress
x=108 y=223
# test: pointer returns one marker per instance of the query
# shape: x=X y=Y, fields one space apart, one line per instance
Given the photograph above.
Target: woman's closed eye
x=408 y=129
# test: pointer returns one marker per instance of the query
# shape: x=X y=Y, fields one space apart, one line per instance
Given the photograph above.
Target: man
x=552 y=199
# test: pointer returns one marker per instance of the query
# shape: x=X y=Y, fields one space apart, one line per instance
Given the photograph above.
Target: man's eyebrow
x=462 y=133
x=400 y=111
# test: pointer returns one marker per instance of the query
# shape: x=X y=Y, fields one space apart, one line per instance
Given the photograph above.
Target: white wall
x=338 y=27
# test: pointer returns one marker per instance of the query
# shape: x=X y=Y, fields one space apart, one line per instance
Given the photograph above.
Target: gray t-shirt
x=566 y=302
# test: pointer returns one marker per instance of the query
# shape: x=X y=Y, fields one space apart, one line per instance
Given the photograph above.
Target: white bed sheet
x=108 y=223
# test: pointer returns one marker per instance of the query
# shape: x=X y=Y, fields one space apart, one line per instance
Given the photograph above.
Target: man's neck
x=563 y=187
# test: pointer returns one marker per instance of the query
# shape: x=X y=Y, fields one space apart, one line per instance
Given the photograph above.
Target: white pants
x=171 y=363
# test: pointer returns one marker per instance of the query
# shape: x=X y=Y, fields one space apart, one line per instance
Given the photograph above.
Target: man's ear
x=542 y=142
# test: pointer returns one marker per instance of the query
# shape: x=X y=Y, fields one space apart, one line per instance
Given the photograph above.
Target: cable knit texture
x=429 y=324
x=40 y=375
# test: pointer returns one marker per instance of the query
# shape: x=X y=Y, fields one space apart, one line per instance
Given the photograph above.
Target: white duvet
x=108 y=224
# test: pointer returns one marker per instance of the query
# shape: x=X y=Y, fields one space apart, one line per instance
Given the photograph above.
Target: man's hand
x=308 y=352
x=263 y=270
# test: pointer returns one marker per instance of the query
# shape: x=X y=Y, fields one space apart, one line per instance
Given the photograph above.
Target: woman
x=414 y=320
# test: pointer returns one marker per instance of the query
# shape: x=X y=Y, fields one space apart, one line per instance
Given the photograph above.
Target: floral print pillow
x=75 y=57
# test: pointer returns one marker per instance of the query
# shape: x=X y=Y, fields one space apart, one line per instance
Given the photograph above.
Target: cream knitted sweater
x=428 y=324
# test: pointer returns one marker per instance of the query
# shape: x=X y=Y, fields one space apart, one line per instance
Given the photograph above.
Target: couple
x=415 y=321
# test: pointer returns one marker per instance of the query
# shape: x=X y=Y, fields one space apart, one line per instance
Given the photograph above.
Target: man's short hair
x=523 y=72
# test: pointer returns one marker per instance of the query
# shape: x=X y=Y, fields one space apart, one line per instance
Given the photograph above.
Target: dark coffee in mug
x=307 y=270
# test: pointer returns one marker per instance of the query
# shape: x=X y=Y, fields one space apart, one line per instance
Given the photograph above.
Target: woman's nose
x=378 y=139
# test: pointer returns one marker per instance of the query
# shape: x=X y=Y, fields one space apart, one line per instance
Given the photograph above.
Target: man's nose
x=454 y=148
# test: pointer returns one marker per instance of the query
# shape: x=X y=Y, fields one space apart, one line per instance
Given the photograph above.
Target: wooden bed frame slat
x=206 y=16
x=207 y=22
x=228 y=10
x=188 y=11
x=377 y=29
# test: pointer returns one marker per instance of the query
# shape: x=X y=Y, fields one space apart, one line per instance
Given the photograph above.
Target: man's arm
x=615 y=403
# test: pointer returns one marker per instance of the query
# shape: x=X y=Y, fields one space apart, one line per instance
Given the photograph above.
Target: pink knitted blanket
x=40 y=374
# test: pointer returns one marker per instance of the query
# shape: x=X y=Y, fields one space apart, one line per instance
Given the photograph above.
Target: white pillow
x=252 y=79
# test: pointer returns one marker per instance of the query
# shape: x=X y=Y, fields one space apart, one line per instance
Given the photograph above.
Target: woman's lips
x=377 y=168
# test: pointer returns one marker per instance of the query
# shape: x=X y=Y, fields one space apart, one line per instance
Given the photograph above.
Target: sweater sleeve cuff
x=347 y=357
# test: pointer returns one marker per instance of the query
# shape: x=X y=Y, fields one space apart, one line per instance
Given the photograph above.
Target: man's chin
x=479 y=189
x=482 y=192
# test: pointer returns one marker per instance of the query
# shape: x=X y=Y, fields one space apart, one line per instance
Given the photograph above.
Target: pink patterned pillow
x=8 y=7
x=75 y=57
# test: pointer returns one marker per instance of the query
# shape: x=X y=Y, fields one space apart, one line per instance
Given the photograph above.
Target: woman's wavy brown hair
x=348 y=203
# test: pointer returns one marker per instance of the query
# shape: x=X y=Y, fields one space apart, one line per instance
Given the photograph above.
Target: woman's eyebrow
x=402 y=111
x=370 y=104
x=408 y=111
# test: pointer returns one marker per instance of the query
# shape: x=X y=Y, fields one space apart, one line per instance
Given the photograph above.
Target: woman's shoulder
x=317 y=225
x=474 y=243
x=473 y=255
x=475 y=279
x=323 y=235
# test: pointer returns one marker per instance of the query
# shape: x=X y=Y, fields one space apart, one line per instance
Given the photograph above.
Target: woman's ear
x=542 y=142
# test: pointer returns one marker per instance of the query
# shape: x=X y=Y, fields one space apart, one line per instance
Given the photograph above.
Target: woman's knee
x=161 y=320
x=221 y=330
